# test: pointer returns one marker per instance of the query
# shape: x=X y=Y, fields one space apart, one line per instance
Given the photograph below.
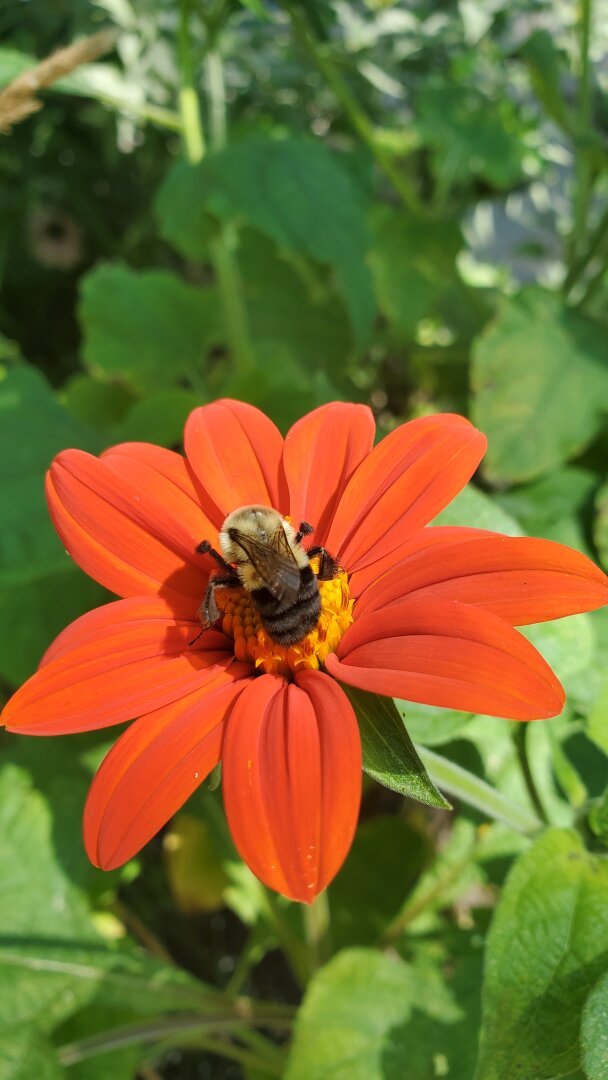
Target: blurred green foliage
x=401 y=202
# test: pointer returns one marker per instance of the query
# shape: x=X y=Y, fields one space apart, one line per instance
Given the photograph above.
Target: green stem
x=317 y=927
x=360 y=122
x=584 y=169
x=189 y=108
x=475 y=792
x=413 y=908
x=526 y=772
x=174 y=1028
x=294 y=949
x=223 y=247
x=580 y=264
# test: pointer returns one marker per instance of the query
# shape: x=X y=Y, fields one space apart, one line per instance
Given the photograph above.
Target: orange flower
x=421 y=613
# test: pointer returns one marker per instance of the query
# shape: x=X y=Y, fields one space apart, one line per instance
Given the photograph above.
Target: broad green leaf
x=473 y=508
x=383 y=865
x=429 y=725
x=552 y=507
x=594 y=1032
x=33 y=428
x=353 y=1013
x=369 y=1016
x=146 y=328
x=293 y=321
x=158 y=417
x=412 y=261
x=53 y=960
x=388 y=752
x=41 y=590
x=293 y=190
x=26 y=1056
x=598 y=818
x=45 y=927
x=540 y=383
x=33 y=612
x=547 y=944
x=470 y=133
x=98 y=404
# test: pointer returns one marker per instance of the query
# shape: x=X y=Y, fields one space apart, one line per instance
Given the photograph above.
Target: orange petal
x=406 y=481
x=128 y=525
x=153 y=768
x=235 y=451
x=320 y=454
x=421 y=540
x=130 y=659
x=291 y=776
x=447 y=654
x=519 y=578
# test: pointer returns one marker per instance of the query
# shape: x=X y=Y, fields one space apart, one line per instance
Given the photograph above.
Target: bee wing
x=274 y=562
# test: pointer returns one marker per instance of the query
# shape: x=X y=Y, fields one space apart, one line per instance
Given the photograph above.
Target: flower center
x=253 y=644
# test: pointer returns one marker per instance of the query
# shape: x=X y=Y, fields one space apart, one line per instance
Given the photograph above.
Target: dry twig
x=18 y=99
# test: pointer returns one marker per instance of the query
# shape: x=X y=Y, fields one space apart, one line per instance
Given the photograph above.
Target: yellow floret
x=252 y=643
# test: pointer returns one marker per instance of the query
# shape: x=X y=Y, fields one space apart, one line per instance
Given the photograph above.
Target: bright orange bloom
x=421 y=613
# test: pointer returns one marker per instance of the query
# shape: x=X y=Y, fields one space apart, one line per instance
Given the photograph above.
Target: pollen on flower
x=254 y=645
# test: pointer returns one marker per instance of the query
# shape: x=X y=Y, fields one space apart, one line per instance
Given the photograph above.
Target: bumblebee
x=260 y=551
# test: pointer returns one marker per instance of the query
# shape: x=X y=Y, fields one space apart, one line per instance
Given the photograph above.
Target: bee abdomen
x=290 y=623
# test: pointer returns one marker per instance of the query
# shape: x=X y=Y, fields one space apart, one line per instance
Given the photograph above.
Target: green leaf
x=33 y=428
x=388 y=752
x=292 y=318
x=594 y=1032
x=429 y=725
x=98 y=404
x=352 y=1013
x=293 y=190
x=598 y=818
x=40 y=589
x=25 y=1056
x=553 y=506
x=540 y=382
x=412 y=261
x=471 y=134
x=470 y=789
x=548 y=942
x=383 y=865
x=473 y=507
x=146 y=328
x=369 y=1016
x=158 y=418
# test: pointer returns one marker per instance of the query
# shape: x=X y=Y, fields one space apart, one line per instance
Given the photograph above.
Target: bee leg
x=328 y=567
x=304 y=530
x=209 y=613
x=204 y=548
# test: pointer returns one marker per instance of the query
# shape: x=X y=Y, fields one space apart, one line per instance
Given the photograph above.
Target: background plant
x=397 y=203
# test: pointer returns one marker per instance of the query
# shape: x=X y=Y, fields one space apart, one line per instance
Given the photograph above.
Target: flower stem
x=222 y=247
x=475 y=792
x=526 y=772
x=584 y=167
x=359 y=121
x=180 y=1030
x=189 y=108
x=581 y=263
x=317 y=927
x=294 y=949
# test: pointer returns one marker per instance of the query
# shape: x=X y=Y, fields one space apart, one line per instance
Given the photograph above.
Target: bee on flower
x=235 y=631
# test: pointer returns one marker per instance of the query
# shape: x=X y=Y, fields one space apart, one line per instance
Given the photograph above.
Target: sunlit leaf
x=547 y=945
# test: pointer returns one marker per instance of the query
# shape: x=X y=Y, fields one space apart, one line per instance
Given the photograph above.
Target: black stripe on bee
x=290 y=621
